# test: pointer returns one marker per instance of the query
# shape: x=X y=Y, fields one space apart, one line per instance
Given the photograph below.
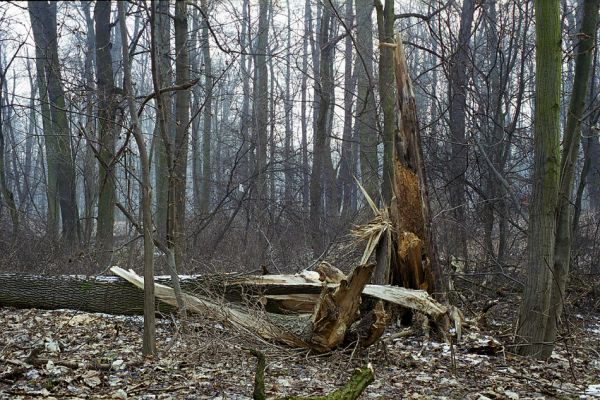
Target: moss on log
x=360 y=379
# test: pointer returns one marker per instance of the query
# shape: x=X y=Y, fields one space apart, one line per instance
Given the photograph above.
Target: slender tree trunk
x=163 y=136
x=385 y=23
x=303 y=105
x=571 y=141
x=50 y=141
x=246 y=119
x=323 y=91
x=26 y=195
x=536 y=306
x=205 y=182
x=149 y=342
x=457 y=115
x=366 y=113
x=106 y=122
x=89 y=170
x=347 y=161
x=195 y=56
x=261 y=116
x=7 y=194
x=182 y=119
x=593 y=177
x=288 y=141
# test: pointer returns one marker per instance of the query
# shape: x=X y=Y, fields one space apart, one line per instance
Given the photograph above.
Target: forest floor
x=81 y=355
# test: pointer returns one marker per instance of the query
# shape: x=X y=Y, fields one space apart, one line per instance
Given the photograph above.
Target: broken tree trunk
x=409 y=258
x=337 y=310
x=112 y=295
x=334 y=306
x=334 y=314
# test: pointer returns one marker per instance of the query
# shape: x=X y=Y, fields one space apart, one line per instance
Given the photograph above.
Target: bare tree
x=43 y=21
x=106 y=123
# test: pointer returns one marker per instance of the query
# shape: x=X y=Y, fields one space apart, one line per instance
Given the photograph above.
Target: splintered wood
x=335 y=319
x=336 y=311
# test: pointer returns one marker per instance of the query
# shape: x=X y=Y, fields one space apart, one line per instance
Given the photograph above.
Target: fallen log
x=113 y=295
x=237 y=317
x=332 y=317
x=102 y=294
x=334 y=306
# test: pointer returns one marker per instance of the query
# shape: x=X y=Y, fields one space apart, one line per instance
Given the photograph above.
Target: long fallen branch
x=200 y=305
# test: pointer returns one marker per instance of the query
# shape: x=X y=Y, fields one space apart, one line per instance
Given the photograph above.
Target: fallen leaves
x=77 y=355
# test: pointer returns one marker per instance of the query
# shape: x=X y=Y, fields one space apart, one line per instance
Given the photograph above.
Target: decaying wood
x=233 y=315
x=112 y=295
x=410 y=211
x=405 y=255
x=337 y=310
x=372 y=325
x=334 y=306
x=328 y=273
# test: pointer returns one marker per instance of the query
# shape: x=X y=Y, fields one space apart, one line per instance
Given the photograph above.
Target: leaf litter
x=63 y=353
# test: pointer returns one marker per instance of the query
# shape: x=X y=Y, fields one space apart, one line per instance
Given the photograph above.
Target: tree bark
x=571 y=142
x=149 y=340
x=261 y=113
x=385 y=24
x=366 y=120
x=182 y=118
x=205 y=182
x=280 y=294
x=90 y=180
x=459 y=149
x=43 y=17
x=322 y=91
x=106 y=140
x=535 y=308
x=347 y=161
x=163 y=138
x=416 y=255
x=303 y=110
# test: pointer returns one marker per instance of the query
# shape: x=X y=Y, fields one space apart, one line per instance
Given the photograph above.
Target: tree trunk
x=304 y=100
x=50 y=140
x=289 y=135
x=205 y=182
x=347 y=162
x=366 y=113
x=43 y=16
x=182 y=119
x=163 y=137
x=7 y=195
x=322 y=91
x=535 y=308
x=385 y=24
x=413 y=243
x=261 y=112
x=459 y=149
x=89 y=171
x=106 y=140
x=571 y=141
x=149 y=341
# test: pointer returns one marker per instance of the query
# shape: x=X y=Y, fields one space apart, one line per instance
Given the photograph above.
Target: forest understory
x=71 y=354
